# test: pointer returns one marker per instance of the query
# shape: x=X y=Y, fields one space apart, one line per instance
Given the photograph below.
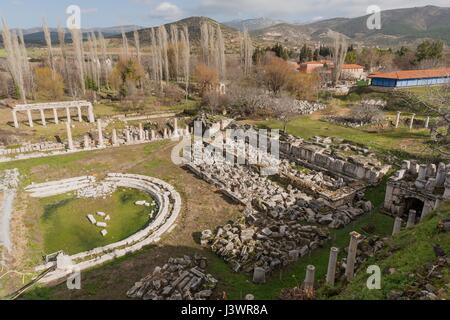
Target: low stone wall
x=169 y=203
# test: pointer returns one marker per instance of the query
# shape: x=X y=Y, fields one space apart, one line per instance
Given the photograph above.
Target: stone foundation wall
x=169 y=203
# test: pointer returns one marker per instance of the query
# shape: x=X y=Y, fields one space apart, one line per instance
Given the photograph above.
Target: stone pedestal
x=91 y=114
x=30 y=119
x=411 y=219
x=101 y=142
x=69 y=137
x=411 y=122
x=397 y=226
x=259 y=275
x=114 y=140
x=331 y=273
x=87 y=142
x=427 y=123
x=16 y=122
x=309 y=278
x=44 y=122
x=80 y=116
x=397 y=120
x=69 y=119
x=351 y=257
x=55 y=116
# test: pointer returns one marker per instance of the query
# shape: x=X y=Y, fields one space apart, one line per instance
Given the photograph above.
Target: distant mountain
x=35 y=36
x=399 y=26
x=252 y=24
x=231 y=35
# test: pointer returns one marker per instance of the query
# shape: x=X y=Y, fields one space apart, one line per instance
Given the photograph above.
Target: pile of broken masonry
x=179 y=279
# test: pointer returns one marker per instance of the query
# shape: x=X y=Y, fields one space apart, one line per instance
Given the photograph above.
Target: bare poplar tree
x=137 y=43
x=65 y=70
x=175 y=47
x=125 y=47
x=48 y=41
x=186 y=57
x=13 y=57
x=79 y=57
x=222 y=63
x=246 y=52
x=204 y=42
x=339 y=53
x=105 y=61
x=163 y=46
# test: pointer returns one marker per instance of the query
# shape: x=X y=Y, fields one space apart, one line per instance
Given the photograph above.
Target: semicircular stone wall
x=169 y=204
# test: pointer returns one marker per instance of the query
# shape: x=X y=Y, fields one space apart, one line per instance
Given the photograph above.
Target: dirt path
x=5 y=218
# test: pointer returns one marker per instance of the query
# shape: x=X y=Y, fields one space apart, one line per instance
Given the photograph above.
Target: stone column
x=440 y=175
x=309 y=278
x=422 y=172
x=187 y=130
x=447 y=187
x=259 y=275
x=87 y=142
x=141 y=132
x=69 y=136
x=175 y=127
x=30 y=119
x=397 y=121
x=101 y=142
x=91 y=113
x=411 y=219
x=69 y=119
x=55 y=116
x=152 y=135
x=127 y=135
x=80 y=116
x=331 y=273
x=44 y=123
x=114 y=138
x=166 y=135
x=397 y=226
x=16 y=122
x=427 y=123
x=351 y=257
x=411 y=123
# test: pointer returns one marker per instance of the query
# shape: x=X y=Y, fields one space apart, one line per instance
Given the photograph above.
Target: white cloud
x=166 y=11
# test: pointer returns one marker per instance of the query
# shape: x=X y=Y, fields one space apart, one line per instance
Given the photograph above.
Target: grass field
x=401 y=142
x=65 y=226
x=407 y=253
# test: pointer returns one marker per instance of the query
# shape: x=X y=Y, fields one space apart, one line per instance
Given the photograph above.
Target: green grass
x=400 y=142
x=65 y=226
x=407 y=253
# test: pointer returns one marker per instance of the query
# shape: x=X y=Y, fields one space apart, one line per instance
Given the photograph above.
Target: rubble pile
x=9 y=179
x=268 y=243
x=97 y=190
x=179 y=279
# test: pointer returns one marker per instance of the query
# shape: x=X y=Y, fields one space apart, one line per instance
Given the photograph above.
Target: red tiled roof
x=413 y=74
x=352 y=66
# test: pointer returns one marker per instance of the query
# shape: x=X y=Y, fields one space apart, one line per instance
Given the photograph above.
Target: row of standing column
x=411 y=121
x=55 y=116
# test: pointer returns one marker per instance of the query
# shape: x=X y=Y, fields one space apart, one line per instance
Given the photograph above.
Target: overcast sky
x=104 y=13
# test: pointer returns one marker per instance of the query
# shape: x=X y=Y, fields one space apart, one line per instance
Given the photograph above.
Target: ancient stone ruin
x=179 y=279
x=168 y=203
x=417 y=189
x=286 y=215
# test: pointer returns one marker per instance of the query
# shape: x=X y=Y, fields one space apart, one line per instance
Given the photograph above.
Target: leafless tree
x=340 y=49
x=246 y=52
